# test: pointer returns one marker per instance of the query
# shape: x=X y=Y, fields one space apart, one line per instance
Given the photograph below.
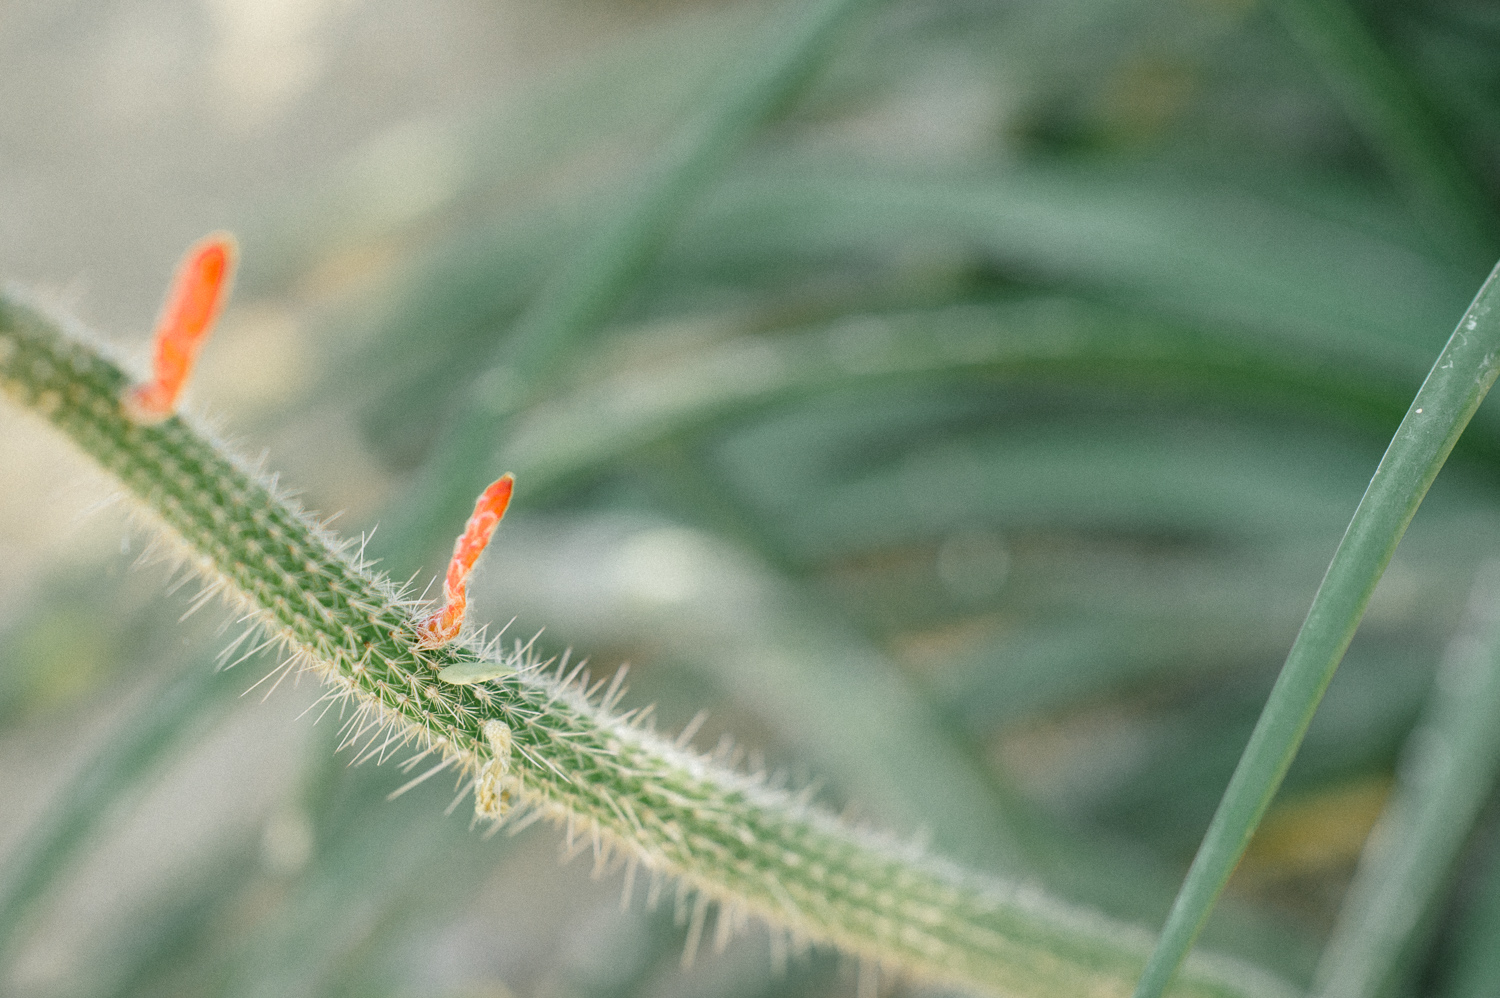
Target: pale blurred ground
x=131 y=128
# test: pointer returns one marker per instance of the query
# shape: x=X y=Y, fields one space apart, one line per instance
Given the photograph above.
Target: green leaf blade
x=1458 y=382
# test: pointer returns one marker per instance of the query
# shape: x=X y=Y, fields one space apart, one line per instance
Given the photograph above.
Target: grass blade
x=1459 y=380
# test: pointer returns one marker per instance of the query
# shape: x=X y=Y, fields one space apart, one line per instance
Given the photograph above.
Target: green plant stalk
x=1447 y=770
x=641 y=801
x=1458 y=382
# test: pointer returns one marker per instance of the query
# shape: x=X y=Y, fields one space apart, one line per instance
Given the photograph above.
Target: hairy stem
x=642 y=802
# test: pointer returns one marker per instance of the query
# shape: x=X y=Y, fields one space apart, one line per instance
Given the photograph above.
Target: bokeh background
x=970 y=445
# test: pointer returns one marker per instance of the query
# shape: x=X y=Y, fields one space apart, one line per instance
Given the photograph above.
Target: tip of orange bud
x=187 y=317
x=443 y=626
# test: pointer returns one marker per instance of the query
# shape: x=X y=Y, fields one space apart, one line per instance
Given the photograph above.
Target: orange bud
x=443 y=626
x=187 y=317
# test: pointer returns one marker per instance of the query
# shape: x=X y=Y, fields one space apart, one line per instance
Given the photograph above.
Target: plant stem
x=1458 y=382
x=640 y=800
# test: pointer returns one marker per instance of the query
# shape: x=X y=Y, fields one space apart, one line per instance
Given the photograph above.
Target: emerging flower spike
x=187 y=317
x=491 y=792
x=443 y=626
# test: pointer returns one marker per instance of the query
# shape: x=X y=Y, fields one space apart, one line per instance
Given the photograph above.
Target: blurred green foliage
x=971 y=439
